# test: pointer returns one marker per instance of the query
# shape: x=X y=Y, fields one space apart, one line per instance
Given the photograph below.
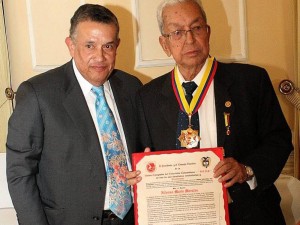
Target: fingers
x=132 y=174
x=147 y=149
x=133 y=177
x=224 y=166
x=230 y=171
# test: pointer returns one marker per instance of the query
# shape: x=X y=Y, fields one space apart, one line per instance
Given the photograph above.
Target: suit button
x=96 y=218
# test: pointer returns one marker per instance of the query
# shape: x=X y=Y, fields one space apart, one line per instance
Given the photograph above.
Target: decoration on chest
x=227 y=123
x=189 y=138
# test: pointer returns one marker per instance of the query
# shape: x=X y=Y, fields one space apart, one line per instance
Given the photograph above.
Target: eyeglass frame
x=192 y=30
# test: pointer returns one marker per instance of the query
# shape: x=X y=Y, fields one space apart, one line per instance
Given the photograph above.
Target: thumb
x=147 y=149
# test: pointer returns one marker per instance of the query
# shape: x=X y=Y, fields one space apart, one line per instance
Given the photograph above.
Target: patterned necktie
x=183 y=121
x=120 y=199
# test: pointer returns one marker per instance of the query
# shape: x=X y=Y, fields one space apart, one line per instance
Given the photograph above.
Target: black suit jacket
x=260 y=136
x=55 y=169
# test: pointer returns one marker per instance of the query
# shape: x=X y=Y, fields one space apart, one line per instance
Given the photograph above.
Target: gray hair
x=166 y=3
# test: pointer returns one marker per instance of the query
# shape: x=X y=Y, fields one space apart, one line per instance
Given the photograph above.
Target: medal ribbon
x=198 y=98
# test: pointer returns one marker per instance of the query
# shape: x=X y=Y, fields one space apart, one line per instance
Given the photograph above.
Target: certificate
x=178 y=188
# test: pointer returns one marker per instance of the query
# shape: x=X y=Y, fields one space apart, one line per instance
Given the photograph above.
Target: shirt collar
x=197 y=78
x=84 y=84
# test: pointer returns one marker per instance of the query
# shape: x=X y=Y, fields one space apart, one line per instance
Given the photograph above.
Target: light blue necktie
x=120 y=200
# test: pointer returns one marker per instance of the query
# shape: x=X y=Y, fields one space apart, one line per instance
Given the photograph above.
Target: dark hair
x=93 y=12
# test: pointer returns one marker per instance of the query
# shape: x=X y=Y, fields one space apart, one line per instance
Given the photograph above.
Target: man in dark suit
x=56 y=166
x=236 y=109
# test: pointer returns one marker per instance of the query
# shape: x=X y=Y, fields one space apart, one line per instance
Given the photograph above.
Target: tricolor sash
x=199 y=96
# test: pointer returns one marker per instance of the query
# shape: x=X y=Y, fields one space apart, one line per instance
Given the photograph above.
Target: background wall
x=5 y=104
x=36 y=30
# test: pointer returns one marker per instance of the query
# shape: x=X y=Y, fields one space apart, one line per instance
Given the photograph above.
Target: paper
x=178 y=187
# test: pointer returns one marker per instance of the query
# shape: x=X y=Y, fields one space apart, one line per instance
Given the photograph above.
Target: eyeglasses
x=195 y=31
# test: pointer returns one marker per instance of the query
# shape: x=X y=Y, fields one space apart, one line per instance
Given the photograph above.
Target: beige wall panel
x=48 y=23
x=272 y=43
x=36 y=35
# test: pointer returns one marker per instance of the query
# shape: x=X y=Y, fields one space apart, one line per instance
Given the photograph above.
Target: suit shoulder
x=156 y=83
x=242 y=73
x=242 y=69
x=126 y=77
x=53 y=76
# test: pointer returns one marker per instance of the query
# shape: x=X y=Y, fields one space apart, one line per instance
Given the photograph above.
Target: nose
x=189 y=36
x=99 y=54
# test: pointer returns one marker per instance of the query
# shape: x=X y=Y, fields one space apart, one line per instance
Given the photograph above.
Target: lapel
x=168 y=104
x=223 y=101
x=125 y=107
x=76 y=106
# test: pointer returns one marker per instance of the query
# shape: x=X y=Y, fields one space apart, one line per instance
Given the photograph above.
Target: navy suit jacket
x=55 y=169
x=260 y=136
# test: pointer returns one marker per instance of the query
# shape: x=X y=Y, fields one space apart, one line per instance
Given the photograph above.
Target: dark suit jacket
x=55 y=169
x=260 y=136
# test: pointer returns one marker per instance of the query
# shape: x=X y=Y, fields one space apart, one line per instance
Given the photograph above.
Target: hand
x=230 y=171
x=133 y=176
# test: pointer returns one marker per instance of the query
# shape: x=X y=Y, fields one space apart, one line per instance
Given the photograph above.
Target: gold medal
x=189 y=138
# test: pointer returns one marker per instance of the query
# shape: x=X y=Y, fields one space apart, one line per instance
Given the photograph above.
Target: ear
x=165 y=45
x=208 y=32
x=118 y=42
x=71 y=46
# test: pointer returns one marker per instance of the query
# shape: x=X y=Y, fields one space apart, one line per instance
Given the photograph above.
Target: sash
x=200 y=94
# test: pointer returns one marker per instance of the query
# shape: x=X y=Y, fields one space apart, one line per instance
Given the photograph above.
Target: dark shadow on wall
x=126 y=51
x=220 y=43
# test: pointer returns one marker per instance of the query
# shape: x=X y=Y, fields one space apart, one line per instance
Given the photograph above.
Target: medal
x=190 y=138
x=227 y=118
x=227 y=123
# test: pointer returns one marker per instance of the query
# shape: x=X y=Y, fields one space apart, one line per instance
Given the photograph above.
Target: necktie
x=120 y=199
x=189 y=88
x=183 y=121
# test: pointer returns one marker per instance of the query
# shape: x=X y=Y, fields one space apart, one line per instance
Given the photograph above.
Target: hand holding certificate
x=178 y=187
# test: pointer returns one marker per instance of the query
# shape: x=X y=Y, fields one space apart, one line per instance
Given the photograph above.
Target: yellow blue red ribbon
x=199 y=96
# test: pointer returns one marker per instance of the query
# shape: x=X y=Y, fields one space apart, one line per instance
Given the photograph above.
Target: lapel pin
x=228 y=104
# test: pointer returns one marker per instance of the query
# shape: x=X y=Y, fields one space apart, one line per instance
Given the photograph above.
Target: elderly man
x=232 y=106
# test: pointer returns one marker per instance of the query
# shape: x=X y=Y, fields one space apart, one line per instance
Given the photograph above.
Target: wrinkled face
x=192 y=49
x=94 y=49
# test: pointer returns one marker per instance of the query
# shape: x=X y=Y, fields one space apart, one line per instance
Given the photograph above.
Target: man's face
x=191 y=51
x=93 y=48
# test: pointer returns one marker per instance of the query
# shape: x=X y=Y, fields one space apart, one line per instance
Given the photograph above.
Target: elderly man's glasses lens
x=195 y=31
